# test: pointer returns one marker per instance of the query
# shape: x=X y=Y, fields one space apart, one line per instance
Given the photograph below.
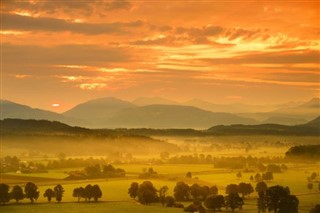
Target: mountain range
x=155 y=112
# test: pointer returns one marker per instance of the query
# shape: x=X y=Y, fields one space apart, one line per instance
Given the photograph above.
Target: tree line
x=31 y=192
x=275 y=198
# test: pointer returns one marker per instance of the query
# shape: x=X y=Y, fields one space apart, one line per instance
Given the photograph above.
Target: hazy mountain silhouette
x=14 y=110
x=173 y=116
x=289 y=115
x=97 y=111
x=144 y=101
x=230 y=108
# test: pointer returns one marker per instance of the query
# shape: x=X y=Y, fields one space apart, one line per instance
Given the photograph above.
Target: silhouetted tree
x=310 y=186
x=214 y=202
x=279 y=200
x=196 y=206
x=245 y=189
x=147 y=193
x=31 y=191
x=232 y=189
x=181 y=191
x=169 y=201
x=261 y=187
x=4 y=193
x=233 y=201
x=267 y=176
x=239 y=175
x=133 y=190
x=315 y=209
x=58 y=191
x=96 y=192
x=88 y=192
x=79 y=193
x=162 y=194
x=49 y=194
x=213 y=190
x=262 y=201
x=17 y=193
x=189 y=175
x=258 y=177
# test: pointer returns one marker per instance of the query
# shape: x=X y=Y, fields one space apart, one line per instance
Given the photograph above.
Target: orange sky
x=66 y=52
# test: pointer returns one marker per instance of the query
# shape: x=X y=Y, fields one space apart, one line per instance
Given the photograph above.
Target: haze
x=65 y=52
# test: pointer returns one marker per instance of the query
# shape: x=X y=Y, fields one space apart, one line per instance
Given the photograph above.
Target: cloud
x=22 y=55
x=79 y=7
x=26 y=23
x=282 y=57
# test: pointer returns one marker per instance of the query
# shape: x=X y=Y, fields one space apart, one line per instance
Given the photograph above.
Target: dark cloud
x=73 y=7
x=284 y=57
x=26 y=23
x=27 y=55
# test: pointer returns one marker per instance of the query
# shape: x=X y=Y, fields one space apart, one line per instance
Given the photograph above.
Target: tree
x=279 y=200
x=196 y=206
x=261 y=187
x=262 y=202
x=310 y=186
x=257 y=177
x=213 y=190
x=181 y=191
x=4 y=193
x=169 y=201
x=58 y=191
x=267 y=176
x=234 y=201
x=239 y=175
x=17 y=193
x=162 y=194
x=315 y=209
x=245 y=189
x=232 y=189
x=88 y=192
x=147 y=193
x=78 y=193
x=133 y=190
x=31 y=191
x=214 y=202
x=49 y=194
x=96 y=192
x=189 y=175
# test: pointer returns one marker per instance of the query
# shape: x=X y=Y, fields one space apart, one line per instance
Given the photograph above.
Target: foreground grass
x=87 y=207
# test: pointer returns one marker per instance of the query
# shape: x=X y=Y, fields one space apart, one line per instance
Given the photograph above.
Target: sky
x=56 y=54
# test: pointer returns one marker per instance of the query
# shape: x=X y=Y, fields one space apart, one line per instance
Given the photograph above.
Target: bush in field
x=17 y=193
x=49 y=194
x=310 y=186
x=31 y=191
x=58 y=191
x=214 y=202
x=147 y=193
x=181 y=191
x=133 y=190
x=196 y=206
x=267 y=176
x=4 y=193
